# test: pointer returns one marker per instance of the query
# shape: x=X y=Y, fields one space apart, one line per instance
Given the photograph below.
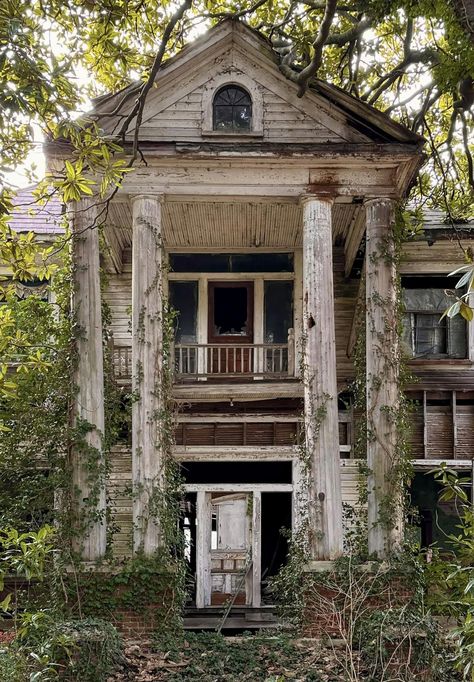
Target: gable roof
x=28 y=215
x=365 y=123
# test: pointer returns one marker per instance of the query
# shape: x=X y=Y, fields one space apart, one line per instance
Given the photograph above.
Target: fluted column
x=147 y=360
x=382 y=362
x=87 y=457
x=320 y=382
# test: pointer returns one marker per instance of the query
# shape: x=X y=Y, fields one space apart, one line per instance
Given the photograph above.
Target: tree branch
x=141 y=99
x=311 y=70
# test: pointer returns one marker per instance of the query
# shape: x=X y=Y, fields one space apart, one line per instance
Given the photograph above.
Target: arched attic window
x=232 y=109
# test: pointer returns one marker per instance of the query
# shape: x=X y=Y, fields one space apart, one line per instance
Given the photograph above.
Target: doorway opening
x=235 y=542
x=231 y=312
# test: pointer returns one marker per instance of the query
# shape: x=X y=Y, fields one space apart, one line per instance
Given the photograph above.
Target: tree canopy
x=414 y=60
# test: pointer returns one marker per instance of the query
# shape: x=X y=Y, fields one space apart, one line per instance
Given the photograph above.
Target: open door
x=230 y=319
x=228 y=563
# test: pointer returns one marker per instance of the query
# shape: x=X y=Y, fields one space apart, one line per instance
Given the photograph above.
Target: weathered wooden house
x=267 y=220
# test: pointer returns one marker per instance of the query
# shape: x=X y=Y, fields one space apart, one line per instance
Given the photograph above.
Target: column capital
x=154 y=197
x=378 y=201
x=325 y=197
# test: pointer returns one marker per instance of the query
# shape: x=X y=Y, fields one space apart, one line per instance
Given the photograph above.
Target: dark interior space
x=276 y=515
x=279 y=405
x=236 y=472
x=434 y=519
x=230 y=310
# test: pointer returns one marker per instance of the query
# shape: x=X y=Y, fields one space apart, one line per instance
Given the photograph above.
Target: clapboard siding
x=118 y=296
x=464 y=431
x=440 y=432
x=351 y=482
x=283 y=122
x=345 y=298
x=416 y=432
x=180 y=121
x=120 y=500
x=445 y=255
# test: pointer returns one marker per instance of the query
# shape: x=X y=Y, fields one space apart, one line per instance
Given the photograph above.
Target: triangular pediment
x=177 y=109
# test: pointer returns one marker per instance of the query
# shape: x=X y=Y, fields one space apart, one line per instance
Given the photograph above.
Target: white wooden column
x=147 y=360
x=320 y=383
x=88 y=465
x=382 y=361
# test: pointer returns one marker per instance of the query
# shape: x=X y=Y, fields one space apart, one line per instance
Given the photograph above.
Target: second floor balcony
x=227 y=361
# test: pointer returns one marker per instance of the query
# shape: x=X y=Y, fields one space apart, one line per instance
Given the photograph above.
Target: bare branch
x=146 y=87
x=311 y=70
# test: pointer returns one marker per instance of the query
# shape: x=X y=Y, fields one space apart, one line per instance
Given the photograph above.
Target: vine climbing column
x=147 y=359
x=382 y=363
x=87 y=457
x=319 y=379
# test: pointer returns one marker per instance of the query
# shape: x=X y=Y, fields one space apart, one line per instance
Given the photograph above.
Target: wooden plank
x=232 y=454
x=203 y=549
x=238 y=487
x=256 y=548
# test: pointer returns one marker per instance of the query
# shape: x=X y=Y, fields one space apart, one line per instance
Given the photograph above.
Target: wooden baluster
x=291 y=352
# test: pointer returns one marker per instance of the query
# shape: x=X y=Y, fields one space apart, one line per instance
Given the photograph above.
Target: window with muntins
x=232 y=110
x=426 y=333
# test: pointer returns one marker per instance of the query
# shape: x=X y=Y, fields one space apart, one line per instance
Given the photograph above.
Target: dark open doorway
x=231 y=312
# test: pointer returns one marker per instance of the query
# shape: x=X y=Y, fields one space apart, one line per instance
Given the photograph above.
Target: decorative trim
x=233 y=77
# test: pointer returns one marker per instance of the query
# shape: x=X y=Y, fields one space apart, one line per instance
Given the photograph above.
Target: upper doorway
x=230 y=314
x=230 y=325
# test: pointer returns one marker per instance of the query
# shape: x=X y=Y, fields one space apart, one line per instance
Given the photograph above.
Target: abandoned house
x=266 y=219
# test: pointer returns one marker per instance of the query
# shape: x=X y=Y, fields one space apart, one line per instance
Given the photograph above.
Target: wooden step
x=232 y=623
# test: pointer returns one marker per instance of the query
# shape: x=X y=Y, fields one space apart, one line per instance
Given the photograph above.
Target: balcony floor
x=205 y=391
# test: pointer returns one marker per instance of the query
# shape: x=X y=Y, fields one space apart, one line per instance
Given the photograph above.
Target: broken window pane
x=430 y=334
x=183 y=299
x=425 y=334
x=278 y=307
x=232 y=109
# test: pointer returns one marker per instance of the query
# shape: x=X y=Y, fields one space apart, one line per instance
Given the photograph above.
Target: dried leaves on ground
x=211 y=658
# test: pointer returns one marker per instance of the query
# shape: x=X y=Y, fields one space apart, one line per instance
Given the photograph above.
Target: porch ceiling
x=231 y=224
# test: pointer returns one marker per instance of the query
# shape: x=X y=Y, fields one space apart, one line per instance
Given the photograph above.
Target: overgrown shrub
x=96 y=649
x=12 y=666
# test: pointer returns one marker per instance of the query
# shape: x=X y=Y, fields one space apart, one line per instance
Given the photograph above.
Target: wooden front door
x=228 y=549
x=230 y=325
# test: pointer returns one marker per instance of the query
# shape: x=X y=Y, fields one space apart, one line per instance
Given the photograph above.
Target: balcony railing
x=201 y=361
x=263 y=360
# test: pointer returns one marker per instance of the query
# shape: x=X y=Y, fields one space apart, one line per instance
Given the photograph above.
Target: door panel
x=227 y=542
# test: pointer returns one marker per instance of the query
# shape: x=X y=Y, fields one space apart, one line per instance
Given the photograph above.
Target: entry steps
x=239 y=618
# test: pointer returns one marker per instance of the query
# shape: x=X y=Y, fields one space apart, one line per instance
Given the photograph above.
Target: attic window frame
x=237 y=99
x=212 y=88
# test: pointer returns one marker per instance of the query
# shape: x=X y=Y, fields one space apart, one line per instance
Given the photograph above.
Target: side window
x=183 y=299
x=426 y=333
x=232 y=109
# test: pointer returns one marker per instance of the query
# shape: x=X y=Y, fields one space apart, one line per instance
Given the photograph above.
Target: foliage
x=451 y=579
x=413 y=60
x=97 y=648
x=260 y=658
x=13 y=665
x=378 y=611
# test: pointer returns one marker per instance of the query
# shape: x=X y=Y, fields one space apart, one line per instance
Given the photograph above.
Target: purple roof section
x=29 y=216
